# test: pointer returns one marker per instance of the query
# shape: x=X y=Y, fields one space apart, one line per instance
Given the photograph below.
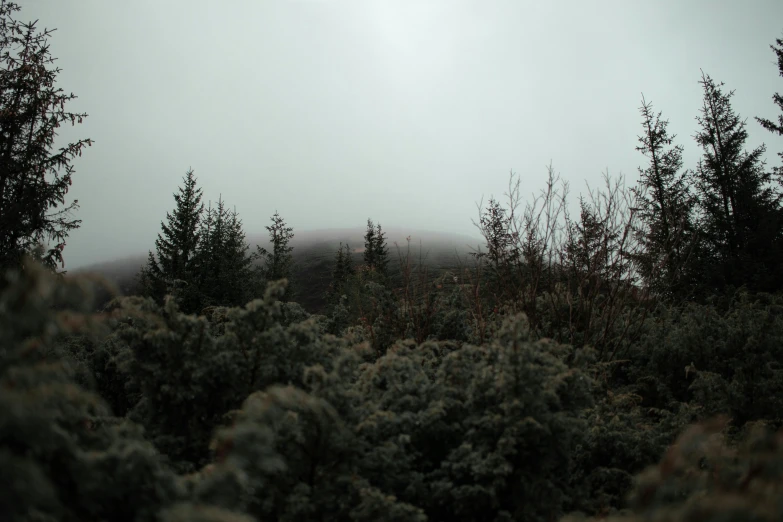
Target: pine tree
x=238 y=283
x=376 y=252
x=663 y=204
x=369 y=244
x=348 y=260
x=176 y=245
x=381 y=251
x=343 y=270
x=588 y=247
x=224 y=273
x=778 y=99
x=34 y=179
x=278 y=263
x=740 y=210
x=502 y=256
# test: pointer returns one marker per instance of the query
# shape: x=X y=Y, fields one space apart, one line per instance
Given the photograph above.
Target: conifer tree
x=740 y=210
x=343 y=269
x=663 y=204
x=34 y=179
x=369 y=242
x=224 y=266
x=381 y=251
x=278 y=263
x=348 y=260
x=771 y=126
x=376 y=252
x=176 y=244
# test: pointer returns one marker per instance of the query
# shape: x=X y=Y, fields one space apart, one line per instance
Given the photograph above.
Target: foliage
x=741 y=218
x=376 y=253
x=663 y=204
x=770 y=125
x=176 y=246
x=278 y=262
x=34 y=179
x=63 y=456
x=224 y=274
x=703 y=477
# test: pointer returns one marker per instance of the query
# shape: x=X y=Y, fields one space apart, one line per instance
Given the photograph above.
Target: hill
x=314 y=253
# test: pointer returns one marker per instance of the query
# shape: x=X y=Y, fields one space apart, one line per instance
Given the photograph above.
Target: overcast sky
x=406 y=111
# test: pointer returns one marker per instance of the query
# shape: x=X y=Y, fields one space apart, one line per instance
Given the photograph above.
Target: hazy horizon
x=406 y=112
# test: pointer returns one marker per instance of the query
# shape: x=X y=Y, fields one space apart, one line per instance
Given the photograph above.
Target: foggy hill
x=314 y=253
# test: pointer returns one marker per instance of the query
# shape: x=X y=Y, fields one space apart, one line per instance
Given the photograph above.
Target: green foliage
x=663 y=203
x=62 y=456
x=278 y=262
x=770 y=125
x=202 y=260
x=703 y=477
x=176 y=245
x=35 y=179
x=741 y=220
x=343 y=270
x=724 y=361
x=376 y=253
x=224 y=273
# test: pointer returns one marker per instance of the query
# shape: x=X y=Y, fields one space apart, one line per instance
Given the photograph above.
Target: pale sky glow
x=406 y=111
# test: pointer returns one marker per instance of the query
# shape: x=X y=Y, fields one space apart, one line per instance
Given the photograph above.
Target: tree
x=777 y=97
x=503 y=254
x=740 y=210
x=663 y=202
x=34 y=179
x=369 y=242
x=177 y=244
x=223 y=265
x=342 y=270
x=279 y=262
x=376 y=253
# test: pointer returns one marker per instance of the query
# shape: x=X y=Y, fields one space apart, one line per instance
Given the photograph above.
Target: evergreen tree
x=778 y=99
x=502 y=256
x=740 y=210
x=176 y=245
x=587 y=250
x=34 y=179
x=278 y=263
x=238 y=287
x=663 y=204
x=381 y=251
x=224 y=266
x=376 y=252
x=369 y=242
x=343 y=269
x=348 y=260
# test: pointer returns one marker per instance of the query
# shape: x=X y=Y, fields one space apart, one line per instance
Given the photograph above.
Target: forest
x=623 y=362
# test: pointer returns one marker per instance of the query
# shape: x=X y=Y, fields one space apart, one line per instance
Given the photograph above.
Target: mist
x=406 y=112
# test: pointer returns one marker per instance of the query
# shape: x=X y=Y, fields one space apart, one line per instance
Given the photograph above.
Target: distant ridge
x=314 y=252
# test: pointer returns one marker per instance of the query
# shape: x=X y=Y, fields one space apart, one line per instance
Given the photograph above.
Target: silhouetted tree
x=225 y=277
x=376 y=252
x=778 y=99
x=176 y=245
x=278 y=262
x=34 y=179
x=369 y=242
x=503 y=254
x=663 y=205
x=741 y=214
x=343 y=269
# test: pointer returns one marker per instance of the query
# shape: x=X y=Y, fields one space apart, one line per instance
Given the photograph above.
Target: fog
x=407 y=112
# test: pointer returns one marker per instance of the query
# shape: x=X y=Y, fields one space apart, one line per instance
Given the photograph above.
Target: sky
x=408 y=112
